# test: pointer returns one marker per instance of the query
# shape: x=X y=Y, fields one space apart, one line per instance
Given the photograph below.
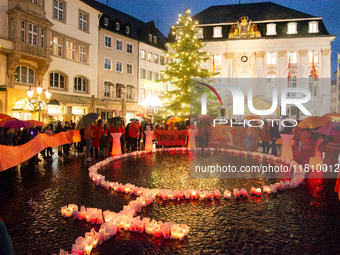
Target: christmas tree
x=184 y=66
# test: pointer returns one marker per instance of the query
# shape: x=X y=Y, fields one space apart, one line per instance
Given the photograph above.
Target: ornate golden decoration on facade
x=244 y=29
x=303 y=53
x=325 y=52
x=260 y=54
x=228 y=55
x=282 y=53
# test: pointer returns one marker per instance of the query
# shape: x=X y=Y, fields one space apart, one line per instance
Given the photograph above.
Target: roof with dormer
x=139 y=30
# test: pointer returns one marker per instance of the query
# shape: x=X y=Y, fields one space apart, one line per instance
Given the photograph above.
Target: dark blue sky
x=165 y=12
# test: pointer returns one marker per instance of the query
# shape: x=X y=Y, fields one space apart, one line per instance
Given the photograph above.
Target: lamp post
x=39 y=89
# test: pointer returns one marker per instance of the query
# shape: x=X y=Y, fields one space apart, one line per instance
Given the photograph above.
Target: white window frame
x=119 y=64
x=82 y=54
x=117 y=45
x=150 y=38
x=155 y=58
x=83 y=18
x=32 y=34
x=218 y=60
x=117 y=26
x=149 y=56
x=129 y=91
x=271 y=58
x=107 y=63
x=292 y=84
x=57 y=48
x=23 y=31
x=127 y=30
x=161 y=60
x=149 y=75
x=70 y=50
x=314 y=83
x=107 y=89
x=106 y=22
x=270 y=85
x=107 y=41
x=143 y=54
x=53 y=80
x=129 y=48
x=143 y=74
x=155 y=39
x=42 y=38
x=128 y=68
x=271 y=29
x=218 y=32
x=310 y=57
x=156 y=76
x=292 y=28
x=292 y=57
x=313 y=27
x=200 y=33
x=29 y=75
x=83 y=84
x=60 y=10
x=142 y=94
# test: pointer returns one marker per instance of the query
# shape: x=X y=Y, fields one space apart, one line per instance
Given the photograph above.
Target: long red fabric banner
x=171 y=137
x=14 y=155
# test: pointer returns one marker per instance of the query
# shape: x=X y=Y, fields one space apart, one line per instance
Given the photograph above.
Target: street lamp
x=39 y=89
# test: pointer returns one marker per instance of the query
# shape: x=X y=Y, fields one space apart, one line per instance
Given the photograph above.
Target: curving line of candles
x=112 y=222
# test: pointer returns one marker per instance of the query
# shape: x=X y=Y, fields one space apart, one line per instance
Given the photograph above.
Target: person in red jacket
x=133 y=133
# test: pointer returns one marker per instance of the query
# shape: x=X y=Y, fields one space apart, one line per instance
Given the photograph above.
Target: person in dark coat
x=6 y=246
x=127 y=138
x=274 y=134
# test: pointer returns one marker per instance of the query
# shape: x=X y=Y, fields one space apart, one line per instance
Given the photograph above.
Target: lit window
x=107 y=64
x=156 y=76
x=129 y=69
x=270 y=85
x=107 y=86
x=83 y=21
x=32 y=34
x=82 y=54
x=149 y=75
x=119 y=66
x=23 y=34
x=143 y=74
x=313 y=27
x=292 y=58
x=70 y=50
x=155 y=39
x=142 y=54
x=200 y=33
x=108 y=41
x=292 y=28
x=119 y=45
x=58 y=10
x=271 y=29
x=23 y=74
x=155 y=59
x=117 y=26
x=80 y=84
x=57 y=81
x=271 y=58
x=217 y=32
x=316 y=58
x=57 y=46
x=106 y=21
x=129 y=48
x=42 y=38
x=150 y=37
x=313 y=85
x=150 y=56
x=218 y=60
x=162 y=61
x=127 y=29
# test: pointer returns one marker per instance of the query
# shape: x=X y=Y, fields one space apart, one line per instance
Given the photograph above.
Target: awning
x=258 y=104
x=68 y=100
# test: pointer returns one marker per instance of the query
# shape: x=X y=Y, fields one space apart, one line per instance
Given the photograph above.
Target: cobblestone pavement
x=305 y=220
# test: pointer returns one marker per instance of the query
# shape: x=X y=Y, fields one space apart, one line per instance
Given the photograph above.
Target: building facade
x=266 y=45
